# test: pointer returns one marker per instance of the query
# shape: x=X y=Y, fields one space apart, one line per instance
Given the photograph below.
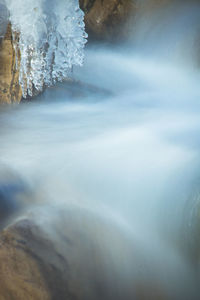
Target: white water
x=51 y=40
x=123 y=144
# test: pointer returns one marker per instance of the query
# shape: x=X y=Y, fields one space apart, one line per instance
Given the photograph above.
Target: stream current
x=122 y=141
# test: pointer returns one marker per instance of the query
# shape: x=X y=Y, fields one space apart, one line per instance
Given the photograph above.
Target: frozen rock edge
x=50 y=37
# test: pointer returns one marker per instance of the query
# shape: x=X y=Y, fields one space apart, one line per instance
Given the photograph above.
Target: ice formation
x=50 y=36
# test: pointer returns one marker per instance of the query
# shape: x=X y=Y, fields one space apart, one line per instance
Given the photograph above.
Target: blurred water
x=123 y=143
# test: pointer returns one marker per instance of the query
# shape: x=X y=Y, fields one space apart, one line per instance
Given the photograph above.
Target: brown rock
x=63 y=263
x=106 y=19
x=115 y=19
x=73 y=254
x=20 y=276
x=10 y=90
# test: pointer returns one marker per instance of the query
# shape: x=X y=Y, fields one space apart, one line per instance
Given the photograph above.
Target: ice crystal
x=50 y=36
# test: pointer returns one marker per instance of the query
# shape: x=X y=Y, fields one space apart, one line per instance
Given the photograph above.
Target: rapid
x=120 y=141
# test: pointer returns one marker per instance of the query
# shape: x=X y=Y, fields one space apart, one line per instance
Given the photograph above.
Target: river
x=121 y=140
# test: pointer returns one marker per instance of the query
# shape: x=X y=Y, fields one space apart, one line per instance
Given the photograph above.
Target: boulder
x=70 y=260
x=75 y=253
x=107 y=19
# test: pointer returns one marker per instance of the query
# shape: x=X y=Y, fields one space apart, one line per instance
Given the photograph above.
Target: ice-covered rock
x=50 y=36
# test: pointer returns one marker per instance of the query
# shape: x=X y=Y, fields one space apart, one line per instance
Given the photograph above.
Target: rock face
x=106 y=19
x=10 y=90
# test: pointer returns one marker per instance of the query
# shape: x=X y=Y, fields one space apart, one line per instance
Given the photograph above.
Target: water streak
x=120 y=148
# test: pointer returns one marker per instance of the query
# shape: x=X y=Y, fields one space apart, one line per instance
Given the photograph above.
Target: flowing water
x=122 y=142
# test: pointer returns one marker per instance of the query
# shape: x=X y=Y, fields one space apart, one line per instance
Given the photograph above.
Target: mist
x=114 y=154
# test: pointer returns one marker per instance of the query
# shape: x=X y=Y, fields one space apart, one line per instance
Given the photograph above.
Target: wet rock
x=114 y=20
x=31 y=267
x=69 y=260
x=20 y=276
x=76 y=254
x=107 y=19
x=10 y=90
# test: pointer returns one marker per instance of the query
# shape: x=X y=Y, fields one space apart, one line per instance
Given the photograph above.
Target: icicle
x=51 y=40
